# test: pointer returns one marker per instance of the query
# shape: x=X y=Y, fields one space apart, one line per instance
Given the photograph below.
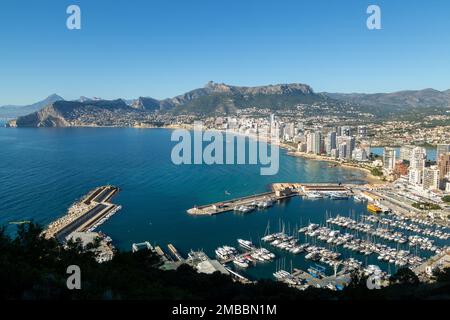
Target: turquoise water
x=43 y=171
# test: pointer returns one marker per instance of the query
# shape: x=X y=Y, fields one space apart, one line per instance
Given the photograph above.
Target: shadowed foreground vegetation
x=32 y=267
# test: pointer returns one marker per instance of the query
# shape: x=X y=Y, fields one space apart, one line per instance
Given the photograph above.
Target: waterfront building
x=314 y=142
x=417 y=165
x=349 y=143
x=389 y=158
x=309 y=143
x=431 y=178
x=302 y=147
x=359 y=154
x=366 y=147
x=443 y=163
x=334 y=153
x=289 y=131
x=405 y=152
x=317 y=143
x=342 y=151
x=442 y=149
x=418 y=158
x=330 y=142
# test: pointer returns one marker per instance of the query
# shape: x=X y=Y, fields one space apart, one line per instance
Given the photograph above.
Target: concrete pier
x=280 y=191
x=84 y=215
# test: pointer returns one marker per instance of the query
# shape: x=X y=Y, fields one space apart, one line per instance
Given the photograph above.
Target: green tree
x=376 y=172
x=404 y=276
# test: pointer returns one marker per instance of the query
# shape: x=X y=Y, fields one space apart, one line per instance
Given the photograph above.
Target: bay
x=43 y=171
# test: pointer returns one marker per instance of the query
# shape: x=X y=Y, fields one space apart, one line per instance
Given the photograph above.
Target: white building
x=405 y=152
x=389 y=159
x=342 y=150
x=314 y=143
x=431 y=178
x=418 y=158
x=415 y=177
x=359 y=154
x=330 y=142
x=417 y=166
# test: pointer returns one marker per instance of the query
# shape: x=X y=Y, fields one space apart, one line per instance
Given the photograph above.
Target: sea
x=44 y=171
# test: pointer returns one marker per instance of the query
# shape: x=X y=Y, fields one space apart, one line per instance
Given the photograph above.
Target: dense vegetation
x=32 y=267
x=446 y=199
x=376 y=172
x=426 y=206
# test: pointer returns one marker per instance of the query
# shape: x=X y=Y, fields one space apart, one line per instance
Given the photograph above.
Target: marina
x=322 y=253
x=323 y=256
x=280 y=191
x=242 y=205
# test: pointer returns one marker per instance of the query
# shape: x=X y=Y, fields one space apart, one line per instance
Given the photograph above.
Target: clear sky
x=131 y=48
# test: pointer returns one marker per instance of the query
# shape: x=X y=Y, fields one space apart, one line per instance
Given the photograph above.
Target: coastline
x=370 y=179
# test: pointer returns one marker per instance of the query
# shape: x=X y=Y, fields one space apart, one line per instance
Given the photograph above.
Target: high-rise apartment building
x=389 y=159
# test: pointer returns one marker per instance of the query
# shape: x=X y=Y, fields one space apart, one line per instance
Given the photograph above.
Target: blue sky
x=164 y=48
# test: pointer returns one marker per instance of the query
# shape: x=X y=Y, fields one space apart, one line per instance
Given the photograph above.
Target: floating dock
x=135 y=247
x=175 y=252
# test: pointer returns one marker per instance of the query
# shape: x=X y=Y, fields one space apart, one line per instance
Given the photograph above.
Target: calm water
x=43 y=171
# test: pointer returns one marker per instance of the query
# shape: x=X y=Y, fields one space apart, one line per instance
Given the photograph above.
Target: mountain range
x=397 y=101
x=223 y=98
x=11 y=111
x=219 y=98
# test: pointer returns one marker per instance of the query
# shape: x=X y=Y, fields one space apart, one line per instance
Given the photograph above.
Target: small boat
x=246 y=244
x=19 y=222
x=244 y=209
x=241 y=263
x=314 y=195
x=374 y=208
x=338 y=196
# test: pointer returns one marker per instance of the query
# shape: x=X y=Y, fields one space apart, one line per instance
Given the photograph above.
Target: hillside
x=64 y=113
x=410 y=99
x=17 y=111
x=222 y=99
